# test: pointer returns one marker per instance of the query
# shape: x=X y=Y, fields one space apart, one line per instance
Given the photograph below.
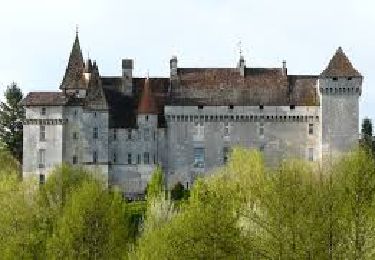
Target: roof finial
x=77 y=29
x=239 y=44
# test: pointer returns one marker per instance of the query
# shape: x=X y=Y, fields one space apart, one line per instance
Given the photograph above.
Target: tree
x=156 y=185
x=367 y=134
x=11 y=116
x=93 y=225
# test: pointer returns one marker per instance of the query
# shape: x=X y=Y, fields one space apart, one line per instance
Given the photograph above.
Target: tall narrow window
x=95 y=133
x=226 y=129
x=262 y=147
x=129 y=134
x=114 y=157
x=139 y=159
x=114 y=134
x=42 y=133
x=155 y=159
x=129 y=158
x=75 y=159
x=147 y=134
x=311 y=129
x=75 y=135
x=146 y=158
x=42 y=158
x=311 y=154
x=95 y=157
x=43 y=111
x=261 y=128
x=199 y=157
x=42 y=179
x=225 y=154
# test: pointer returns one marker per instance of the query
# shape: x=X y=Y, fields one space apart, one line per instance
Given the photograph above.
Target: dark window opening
x=292 y=107
x=95 y=157
x=139 y=159
x=261 y=107
x=200 y=107
x=95 y=133
x=335 y=79
x=350 y=78
x=230 y=107
x=43 y=112
x=42 y=179
x=129 y=158
x=75 y=159
x=147 y=118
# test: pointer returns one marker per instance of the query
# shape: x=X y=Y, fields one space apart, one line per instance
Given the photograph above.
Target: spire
x=74 y=78
x=340 y=66
x=147 y=103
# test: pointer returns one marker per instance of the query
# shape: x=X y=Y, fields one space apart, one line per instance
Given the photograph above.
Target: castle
x=124 y=126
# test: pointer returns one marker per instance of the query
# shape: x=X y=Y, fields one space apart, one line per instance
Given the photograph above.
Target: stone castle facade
x=124 y=126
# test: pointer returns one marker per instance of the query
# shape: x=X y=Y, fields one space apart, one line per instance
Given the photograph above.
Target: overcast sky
x=37 y=36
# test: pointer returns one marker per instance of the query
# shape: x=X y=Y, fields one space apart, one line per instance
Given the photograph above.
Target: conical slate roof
x=147 y=104
x=74 y=77
x=340 y=66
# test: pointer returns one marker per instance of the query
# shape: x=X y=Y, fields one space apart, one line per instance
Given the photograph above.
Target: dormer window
x=200 y=107
x=292 y=107
x=261 y=107
x=335 y=79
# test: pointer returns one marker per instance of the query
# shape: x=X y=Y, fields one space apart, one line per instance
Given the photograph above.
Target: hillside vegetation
x=243 y=211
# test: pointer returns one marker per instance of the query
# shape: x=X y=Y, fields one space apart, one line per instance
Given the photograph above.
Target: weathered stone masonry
x=122 y=127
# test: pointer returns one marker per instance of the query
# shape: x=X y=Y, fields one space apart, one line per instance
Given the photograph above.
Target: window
x=75 y=135
x=42 y=133
x=261 y=107
x=95 y=133
x=146 y=158
x=42 y=179
x=129 y=134
x=225 y=154
x=114 y=134
x=75 y=159
x=155 y=159
x=335 y=79
x=311 y=129
x=146 y=118
x=75 y=113
x=199 y=129
x=139 y=159
x=42 y=158
x=230 y=106
x=311 y=154
x=200 y=107
x=129 y=158
x=199 y=157
x=114 y=157
x=226 y=129
x=95 y=157
x=43 y=111
x=262 y=147
x=95 y=114
x=261 y=128
x=292 y=107
x=146 y=134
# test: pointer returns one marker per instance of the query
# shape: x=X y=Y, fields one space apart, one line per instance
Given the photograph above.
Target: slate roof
x=340 y=66
x=74 y=77
x=44 y=99
x=259 y=86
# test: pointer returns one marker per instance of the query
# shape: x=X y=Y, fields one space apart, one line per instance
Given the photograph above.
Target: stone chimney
x=127 y=76
x=241 y=66
x=285 y=70
x=173 y=67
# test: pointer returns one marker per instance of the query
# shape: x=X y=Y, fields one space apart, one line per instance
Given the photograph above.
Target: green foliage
x=11 y=115
x=94 y=225
x=367 y=138
x=155 y=186
x=9 y=166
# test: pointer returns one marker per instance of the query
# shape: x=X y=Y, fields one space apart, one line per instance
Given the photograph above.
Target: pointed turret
x=340 y=66
x=74 y=77
x=147 y=104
